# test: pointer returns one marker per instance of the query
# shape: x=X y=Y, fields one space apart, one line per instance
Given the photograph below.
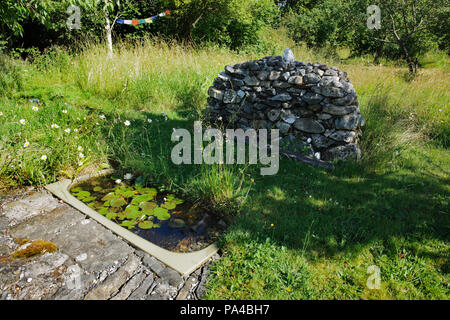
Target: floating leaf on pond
x=103 y=211
x=98 y=189
x=128 y=194
x=117 y=202
x=76 y=189
x=111 y=215
x=169 y=205
x=142 y=198
x=148 y=206
x=88 y=199
x=147 y=224
x=161 y=213
x=149 y=191
x=132 y=212
x=109 y=196
x=130 y=224
x=122 y=215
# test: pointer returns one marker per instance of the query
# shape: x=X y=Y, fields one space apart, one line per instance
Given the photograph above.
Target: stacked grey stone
x=311 y=101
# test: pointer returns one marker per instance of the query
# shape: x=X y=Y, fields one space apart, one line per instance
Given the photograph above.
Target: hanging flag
x=142 y=21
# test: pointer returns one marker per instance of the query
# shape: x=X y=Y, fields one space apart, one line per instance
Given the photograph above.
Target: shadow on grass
x=312 y=210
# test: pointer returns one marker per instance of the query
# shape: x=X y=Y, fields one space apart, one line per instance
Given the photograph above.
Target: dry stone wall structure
x=309 y=101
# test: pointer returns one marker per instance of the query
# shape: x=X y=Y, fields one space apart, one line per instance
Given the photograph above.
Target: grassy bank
x=305 y=233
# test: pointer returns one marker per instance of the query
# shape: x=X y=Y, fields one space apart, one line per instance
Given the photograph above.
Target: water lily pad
x=111 y=215
x=141 y=198
x=149 y=191
x=122 y=215
x=169 y=205
x=109 y=196
x=98 y=189
x=130 y=224
x=128 y=194
x=147 y=224
x=117 y=202
x=132 y=212
x=88 y=199
x=161 y=213
x=76 y=189
x=148 y=206
x=103 y=211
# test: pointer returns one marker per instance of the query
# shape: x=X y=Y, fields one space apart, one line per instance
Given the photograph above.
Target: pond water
x=162 y=218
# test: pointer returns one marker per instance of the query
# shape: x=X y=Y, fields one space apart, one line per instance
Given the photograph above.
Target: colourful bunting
x=135 y=22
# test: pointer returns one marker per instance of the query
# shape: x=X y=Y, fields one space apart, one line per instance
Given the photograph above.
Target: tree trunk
x=409 y=60
x=109 y=36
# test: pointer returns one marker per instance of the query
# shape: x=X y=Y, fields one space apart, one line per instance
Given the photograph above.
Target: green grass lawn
x=305 y=233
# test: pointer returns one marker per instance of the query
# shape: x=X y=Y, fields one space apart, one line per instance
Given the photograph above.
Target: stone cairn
x=313 y=103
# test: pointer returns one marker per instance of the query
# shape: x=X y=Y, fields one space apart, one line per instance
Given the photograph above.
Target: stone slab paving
x=90 y=263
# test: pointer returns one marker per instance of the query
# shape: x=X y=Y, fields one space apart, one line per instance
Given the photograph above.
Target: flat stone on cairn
x=310 y=101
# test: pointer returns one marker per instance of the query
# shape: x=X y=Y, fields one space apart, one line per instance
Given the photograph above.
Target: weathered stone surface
x=29 y=206
x=338 y=110
x=113 y=283
x=297 y=98
x=345 y=152
x=287 y=116
x=274 y=75
x=282 y=97
x=229 y=96
x=100 y=248
x=172 y=277
x=320 y=141
x=311 y=78
x=251 y=81
x=130 y=286
x=154 y=264
x=47 y=224
x=309 y=125
x=215 y=93
x=312 y=98
x=349 y=122
x=283 y=127
x=189 y=285
x=263 y=75
x=298 y=80
x=143 y=288
x=345 y=136
x=273 y=114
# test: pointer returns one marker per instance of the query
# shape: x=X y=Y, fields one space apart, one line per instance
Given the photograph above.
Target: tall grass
x=304 y=233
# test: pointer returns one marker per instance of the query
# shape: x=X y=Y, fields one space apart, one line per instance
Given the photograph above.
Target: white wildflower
x=64 y=111
x=26 y=144
x=67 y=130
x=80 y=148
x=34 y=108
x=102 y=116
x=80 y=155
x=55 y=126
x=22 y=121
x=128 y=176
x=127 y=123
x=44 y=157
x=118 y=181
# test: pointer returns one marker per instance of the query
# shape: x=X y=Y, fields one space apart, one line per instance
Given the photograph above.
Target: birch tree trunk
x=109 y=36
